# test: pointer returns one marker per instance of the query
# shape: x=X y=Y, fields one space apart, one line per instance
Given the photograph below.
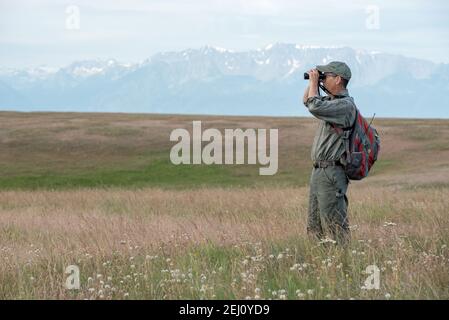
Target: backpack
x=362 y=145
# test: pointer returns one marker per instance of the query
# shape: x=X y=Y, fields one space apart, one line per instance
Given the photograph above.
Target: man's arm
x=340 y=112
x=306 y=95
x=312 y=88
x=313 y=83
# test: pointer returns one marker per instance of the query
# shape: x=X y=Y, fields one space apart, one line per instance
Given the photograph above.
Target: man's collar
x=342 y=93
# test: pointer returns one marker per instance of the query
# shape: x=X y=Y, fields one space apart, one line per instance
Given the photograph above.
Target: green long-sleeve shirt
x=341 y=111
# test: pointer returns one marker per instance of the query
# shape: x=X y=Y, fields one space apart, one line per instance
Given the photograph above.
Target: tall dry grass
x=211 y=242
x=220 y=243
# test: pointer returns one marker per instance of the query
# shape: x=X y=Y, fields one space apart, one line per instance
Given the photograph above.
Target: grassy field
x=98 y=191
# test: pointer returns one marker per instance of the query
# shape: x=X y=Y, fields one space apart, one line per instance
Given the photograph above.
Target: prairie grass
x=97 y=191
x=219 y=243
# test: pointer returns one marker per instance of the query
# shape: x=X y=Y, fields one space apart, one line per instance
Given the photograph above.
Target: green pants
x=328 y=204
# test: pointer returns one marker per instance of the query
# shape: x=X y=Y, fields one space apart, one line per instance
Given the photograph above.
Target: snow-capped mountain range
x=211 y=80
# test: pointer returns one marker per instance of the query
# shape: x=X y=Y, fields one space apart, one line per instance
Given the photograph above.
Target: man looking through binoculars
x=327 y=212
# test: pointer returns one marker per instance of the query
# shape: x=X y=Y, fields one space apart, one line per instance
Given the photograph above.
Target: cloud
x=134 y=29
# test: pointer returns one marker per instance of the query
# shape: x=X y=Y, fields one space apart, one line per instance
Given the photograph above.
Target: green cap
x=339 y=68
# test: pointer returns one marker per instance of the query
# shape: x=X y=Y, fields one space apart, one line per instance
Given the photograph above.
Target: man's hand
x=313 y=77
x=313 y=83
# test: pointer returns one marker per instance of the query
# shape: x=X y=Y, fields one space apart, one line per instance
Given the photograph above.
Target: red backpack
x=362 y=145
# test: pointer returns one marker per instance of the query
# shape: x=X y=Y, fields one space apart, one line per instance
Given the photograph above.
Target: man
x=328 y=184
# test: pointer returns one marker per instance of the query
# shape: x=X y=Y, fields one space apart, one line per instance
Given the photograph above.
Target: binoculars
x=321 y=76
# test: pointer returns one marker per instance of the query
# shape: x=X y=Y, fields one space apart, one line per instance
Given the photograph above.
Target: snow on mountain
x=211 y=79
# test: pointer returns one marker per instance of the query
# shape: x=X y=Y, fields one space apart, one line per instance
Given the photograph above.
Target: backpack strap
x=346 y=133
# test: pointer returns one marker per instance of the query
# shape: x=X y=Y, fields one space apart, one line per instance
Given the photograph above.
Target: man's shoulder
x=345 y=101
x=348 y=109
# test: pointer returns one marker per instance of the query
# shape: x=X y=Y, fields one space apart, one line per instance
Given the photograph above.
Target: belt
x=326 y=163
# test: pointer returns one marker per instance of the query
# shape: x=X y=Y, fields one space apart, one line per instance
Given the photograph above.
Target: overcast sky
x=51 y=32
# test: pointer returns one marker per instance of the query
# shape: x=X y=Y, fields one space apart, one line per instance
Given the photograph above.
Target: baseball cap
x=339 y=68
